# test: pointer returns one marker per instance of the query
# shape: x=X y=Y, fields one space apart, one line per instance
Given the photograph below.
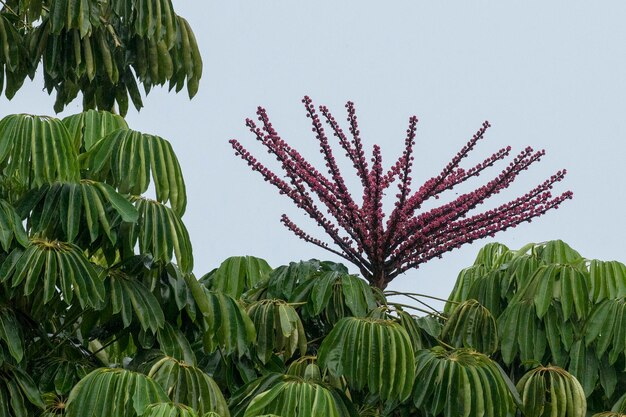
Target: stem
x=392 y=293
x=430 y=313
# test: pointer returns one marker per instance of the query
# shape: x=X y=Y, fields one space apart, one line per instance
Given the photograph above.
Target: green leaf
x=114 y=393
x=551 y=391
x=88 y=127
x=295 y=397
x=278 y=328
x=55 y=268
x=35 y=150
x=457 y=382
x=237 y=275
x=188 y=385
x=129 y=160
x=11 y=333
x=350 y=347
x=471 y=325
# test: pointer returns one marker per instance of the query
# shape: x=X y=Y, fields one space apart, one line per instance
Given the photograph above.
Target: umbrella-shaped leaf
x=113 y=393
x=295 y=397
x=551 y=391
x=371 y=354
x=278 y=329
x=174 y=343
x=88 y=127
x=35 y=150
x=170 y=410
x=188 y=385
x=130 y=160
x=237 y=274
x=228 y=325
x=133 y=300
x=18 y=392
x=471 y=325
x=11 y=227
x=161 y=233
x=54 y=267
x=63 y=210
x=461 y=382
x=605 y=328
x=608 y=280
x=11 y=334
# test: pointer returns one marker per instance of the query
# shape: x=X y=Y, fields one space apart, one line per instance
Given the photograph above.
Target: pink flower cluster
x=383 y=247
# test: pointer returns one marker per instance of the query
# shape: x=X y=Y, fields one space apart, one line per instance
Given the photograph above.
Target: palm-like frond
x=10 y=334
x=35 y=150
x=88 y=127
x=52 y=267
x=228 y=325
x=371 y=354
x=188 y=385
x=471 y=325
x=134 y=301
x=160 y=232
x=113 y=393
x=129 y=161
x=236 y=275
x=551 y=391
x=461 y=382
x=278 y=329
x=11 y=227
x=18 y=392
x=295 y=397
x=61 y=210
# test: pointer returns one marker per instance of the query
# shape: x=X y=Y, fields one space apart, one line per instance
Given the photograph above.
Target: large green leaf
x=161 y=233
x=129 y=297
x=11 y=227
x=35 y=150
x=472 y=326
x=335 y=295
x=188 y=385
x=59 y=375
x=129 y=161
x=65 y=210
x=54 y=268
x=295 y=397
x=88 y=127
x=606 y=328
x=19 y=396
x=286 y=278
x=461 y=382
x=113 y=393
x=228 y=325
x=171 y=409
x=608 y=280
x=174 y=343
x=522 y=333
x=371 y=354
x=551 y=391
x=237 y=274
x=11 y=334
x=278 y=330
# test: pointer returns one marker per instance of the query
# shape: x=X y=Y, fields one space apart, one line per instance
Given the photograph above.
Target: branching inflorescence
x=384 y=246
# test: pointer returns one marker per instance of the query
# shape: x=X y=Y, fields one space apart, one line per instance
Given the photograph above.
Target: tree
x=102 y=49
x=384 y=248
x=101 y=315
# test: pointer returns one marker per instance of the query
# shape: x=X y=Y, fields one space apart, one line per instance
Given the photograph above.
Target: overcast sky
x=546 y=74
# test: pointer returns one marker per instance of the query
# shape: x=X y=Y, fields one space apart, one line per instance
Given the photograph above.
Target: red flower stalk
x=384 y=247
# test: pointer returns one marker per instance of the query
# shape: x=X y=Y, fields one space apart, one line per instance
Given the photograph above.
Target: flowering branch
x=380 y=248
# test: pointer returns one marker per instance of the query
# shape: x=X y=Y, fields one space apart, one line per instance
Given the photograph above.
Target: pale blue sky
x=547 y=74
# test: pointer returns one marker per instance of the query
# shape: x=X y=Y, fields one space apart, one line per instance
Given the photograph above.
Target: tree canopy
x=100 y=49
